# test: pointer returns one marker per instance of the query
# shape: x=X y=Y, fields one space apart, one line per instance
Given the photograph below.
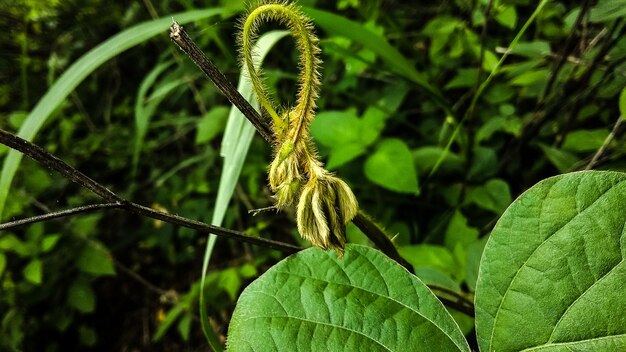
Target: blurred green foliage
x=397 y=81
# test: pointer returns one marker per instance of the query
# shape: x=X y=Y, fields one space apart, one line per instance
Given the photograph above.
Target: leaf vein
x=320 y=323
x=378 y=294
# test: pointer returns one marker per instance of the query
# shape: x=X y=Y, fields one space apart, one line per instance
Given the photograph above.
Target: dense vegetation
x=399 y=119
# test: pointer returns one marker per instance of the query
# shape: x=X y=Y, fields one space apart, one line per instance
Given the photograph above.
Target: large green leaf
x=315 y=301
x=553 y=273
x=79 y=70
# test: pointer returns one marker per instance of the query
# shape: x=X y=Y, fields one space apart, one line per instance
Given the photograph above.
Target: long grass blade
x=144 y=111
x=237 y=138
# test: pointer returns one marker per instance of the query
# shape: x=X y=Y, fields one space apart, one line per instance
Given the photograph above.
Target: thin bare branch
x=570 y=44
x=58 y=214
x=462 y=302
x=50 y=161
x=180 y=37
x=605 y=144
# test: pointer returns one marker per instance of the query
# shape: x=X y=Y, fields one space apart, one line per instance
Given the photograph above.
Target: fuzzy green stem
x=301 y=29
x=257 y=84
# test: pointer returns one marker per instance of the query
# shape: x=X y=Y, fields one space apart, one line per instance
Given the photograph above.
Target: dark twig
x=461 y=303
x=606 y=143
x=180 y=37
x=569 y=46
x=170 y=295
x=543 y=112
x=59 y=214
x=38 y=154
x=577 y=101
x=206 y=228
x=461 y=307
x=483 y=39
x=380 y=239
x=82 y=210
x=50 y=161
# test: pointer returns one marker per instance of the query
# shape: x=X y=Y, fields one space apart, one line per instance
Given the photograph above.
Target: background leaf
x=494 y=195
x=561 y=159
x=585 y=140
x=391 y=166
x=211 y=124
x=144 y=110
x=346 y=135
x=95 y=259
x=81 y=297
x=431 y=256
x=32 y=271
x=553 y=270
x=3 y=262
x=316 y=301
x=341 y=132
x=607 y=10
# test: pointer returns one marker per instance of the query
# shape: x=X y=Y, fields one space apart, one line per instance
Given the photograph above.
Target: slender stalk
x=462 y=303
x=605 y=144
x=496 y=68
x=569 y=46
x=483 y=39
x=377 y=235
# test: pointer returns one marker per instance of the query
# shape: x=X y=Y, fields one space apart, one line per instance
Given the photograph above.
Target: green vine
x=324 y=203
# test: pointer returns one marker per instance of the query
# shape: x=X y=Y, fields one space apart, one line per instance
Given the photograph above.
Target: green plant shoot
x=324 y=203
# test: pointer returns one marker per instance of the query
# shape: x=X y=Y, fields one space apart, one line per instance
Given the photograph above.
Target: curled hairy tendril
x=301 y=30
